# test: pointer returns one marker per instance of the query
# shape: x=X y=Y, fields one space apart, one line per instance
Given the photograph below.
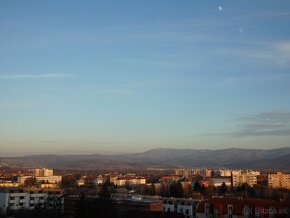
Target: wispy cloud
x=262 y=124
x=34 y=76
x=268 y=14
x=262 y=78
x=273 y=52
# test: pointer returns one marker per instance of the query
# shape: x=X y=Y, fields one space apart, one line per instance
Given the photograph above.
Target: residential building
x=279 y=180
x=206 y=173
x=129 y=180
x=42 y=175
x=43 y=172
x=218 y=181
x=29 y=199
x=187 y=207
x=136 y=206
x=9 y=184
x=187 y=172
x=46 y=179
x=225 y=173
x=240 y=177
x=100 y=180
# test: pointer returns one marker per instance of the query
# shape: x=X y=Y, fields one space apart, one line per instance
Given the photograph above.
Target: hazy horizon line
x=11 y=155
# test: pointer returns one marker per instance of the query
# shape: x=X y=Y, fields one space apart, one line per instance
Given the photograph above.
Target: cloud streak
x=262 y=124
x=275 y=52
x=34 y=76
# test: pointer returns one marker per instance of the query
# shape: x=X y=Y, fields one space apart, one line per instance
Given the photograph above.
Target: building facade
x=279 y=180
x=244 y=177
x=187 y=207
x=29 y=199
x=43 y=172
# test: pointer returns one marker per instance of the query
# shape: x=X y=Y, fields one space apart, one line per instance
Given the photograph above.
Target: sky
x=128 y=76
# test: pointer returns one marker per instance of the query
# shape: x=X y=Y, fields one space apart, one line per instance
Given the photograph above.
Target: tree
x=30 y=182
x=69 y=181
x=104 y=193
x=223 y=188
x=197 y=186
x=94 y=207
x=151 y=189
x=176 y=190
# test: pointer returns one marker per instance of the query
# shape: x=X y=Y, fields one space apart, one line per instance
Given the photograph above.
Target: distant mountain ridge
x=162 y=157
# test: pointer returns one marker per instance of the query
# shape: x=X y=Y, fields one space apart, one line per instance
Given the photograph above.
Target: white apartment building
x=16 y=199
x=47 y=179
x=42 y=175
x=279 y=180
x=240 y=177
x=180 y=205
x=123 y=181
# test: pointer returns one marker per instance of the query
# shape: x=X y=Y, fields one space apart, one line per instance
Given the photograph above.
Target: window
x=21 y=197
x=186 y=211
x=12 y=198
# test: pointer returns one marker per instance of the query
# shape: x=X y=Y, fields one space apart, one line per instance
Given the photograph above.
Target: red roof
x=240 y=204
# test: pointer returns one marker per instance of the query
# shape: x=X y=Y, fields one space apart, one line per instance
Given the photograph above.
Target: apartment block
x=187 y=172
x=129 y=180
x=43 y=172
x=241 y=177
x=279 y=180
x=17 y=199
x=187 y=207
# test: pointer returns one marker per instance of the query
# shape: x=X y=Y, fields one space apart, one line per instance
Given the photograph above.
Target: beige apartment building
x=279 y=180
x=43 y=172
x=241 y=177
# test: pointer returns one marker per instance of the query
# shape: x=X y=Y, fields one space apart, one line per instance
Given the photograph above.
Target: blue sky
x=128 y=76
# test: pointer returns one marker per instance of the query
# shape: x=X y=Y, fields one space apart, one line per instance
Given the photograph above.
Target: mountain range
x=232 y=158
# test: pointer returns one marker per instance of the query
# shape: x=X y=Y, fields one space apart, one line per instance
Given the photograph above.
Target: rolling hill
x=162 y=157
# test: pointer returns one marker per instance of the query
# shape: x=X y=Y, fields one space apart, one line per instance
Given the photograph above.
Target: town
x=151 y=192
